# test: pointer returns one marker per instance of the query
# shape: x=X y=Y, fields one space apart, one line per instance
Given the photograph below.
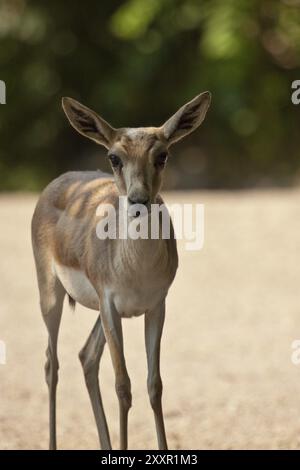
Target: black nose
x=144 y=202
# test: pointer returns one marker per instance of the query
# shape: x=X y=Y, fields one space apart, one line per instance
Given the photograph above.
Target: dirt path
x=233 y=313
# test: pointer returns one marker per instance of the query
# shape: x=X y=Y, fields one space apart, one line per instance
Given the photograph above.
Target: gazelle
x=118 y=277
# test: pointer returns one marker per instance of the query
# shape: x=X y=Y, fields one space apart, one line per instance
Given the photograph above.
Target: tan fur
x=64 y=225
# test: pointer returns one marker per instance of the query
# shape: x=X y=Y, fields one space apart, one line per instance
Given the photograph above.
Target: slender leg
x=52 y=305
x=112 y=326
x=90 y=356
x=154 y=322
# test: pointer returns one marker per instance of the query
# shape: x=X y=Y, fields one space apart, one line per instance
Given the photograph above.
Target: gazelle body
x=118 y=277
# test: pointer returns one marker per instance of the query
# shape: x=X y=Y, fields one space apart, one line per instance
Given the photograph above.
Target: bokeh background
x=136 y=62
x=233 y=311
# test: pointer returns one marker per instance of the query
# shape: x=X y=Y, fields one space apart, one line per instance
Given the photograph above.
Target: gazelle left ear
x=88 y=123
x=187 y=118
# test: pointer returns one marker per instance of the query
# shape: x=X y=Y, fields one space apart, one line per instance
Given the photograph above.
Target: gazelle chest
x=141 y=277
x=135 y=298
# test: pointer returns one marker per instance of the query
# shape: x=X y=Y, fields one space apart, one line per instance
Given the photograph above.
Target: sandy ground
x=232 y=314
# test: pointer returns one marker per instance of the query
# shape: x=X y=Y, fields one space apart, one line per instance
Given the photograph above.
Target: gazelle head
x=138 y=155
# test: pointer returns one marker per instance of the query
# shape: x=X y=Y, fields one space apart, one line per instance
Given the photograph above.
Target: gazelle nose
x=138 y=200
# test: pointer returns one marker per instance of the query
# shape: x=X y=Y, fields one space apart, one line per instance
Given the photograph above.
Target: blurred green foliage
x=136 y=62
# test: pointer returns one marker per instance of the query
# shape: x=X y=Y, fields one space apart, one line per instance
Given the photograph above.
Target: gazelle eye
x=115 y=161
x=161 y=160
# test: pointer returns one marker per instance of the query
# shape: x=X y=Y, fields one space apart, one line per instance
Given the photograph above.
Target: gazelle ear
x=88 y=123
x=187 y=118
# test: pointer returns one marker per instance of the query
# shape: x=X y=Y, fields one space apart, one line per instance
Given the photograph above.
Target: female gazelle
x=118 y=277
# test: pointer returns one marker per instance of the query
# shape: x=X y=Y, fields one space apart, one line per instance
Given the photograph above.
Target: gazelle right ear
x=187 y=118
x=88 y=123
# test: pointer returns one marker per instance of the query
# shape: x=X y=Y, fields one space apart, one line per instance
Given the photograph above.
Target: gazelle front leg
x=154 y=322
x=112 y=326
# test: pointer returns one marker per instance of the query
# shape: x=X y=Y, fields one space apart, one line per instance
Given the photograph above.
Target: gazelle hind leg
x=52 y=297
x=90 y=356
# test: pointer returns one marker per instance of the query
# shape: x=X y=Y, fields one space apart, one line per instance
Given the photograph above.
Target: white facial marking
x=135 y=132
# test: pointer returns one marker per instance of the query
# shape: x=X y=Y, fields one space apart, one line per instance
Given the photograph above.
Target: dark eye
x=115 y=161
x=161 y=160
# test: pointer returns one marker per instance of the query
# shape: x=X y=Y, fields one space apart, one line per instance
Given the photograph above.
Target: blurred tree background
x=136 y=62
